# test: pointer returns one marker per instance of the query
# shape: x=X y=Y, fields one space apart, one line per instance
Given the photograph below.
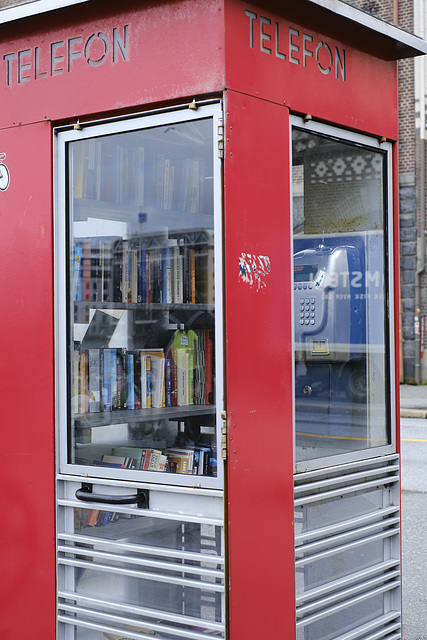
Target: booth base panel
x=347 y=552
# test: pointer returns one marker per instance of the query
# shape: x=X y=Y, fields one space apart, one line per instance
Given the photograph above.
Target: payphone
x=330 y=314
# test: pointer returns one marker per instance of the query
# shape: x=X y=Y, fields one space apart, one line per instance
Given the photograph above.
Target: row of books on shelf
x=104 y=170
x=113 y=269
x=197 y=460
x=115 y=379
x=108 y=171
x=181 y=185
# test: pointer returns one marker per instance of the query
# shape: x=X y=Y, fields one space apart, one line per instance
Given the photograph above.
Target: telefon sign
x=294 y=46
x=63 y=56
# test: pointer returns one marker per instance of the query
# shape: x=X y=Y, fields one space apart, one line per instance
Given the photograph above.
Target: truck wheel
x=354 y=379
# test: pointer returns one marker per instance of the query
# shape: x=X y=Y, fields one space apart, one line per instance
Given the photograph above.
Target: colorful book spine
x=106 y=383
x=168 y=383
x=130 y=381
x=94 y=390
x=148 y=380
x=143 y=272
x=77 y=273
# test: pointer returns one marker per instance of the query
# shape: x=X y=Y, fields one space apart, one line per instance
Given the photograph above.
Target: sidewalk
x=413 y=401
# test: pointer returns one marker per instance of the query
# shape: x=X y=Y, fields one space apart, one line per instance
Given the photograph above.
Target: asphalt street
x=414 y=514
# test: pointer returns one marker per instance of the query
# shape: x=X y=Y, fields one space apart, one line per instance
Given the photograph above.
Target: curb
x=413 y=413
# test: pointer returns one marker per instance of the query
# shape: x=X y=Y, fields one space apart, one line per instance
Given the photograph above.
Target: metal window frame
x=33 y=7
x=365 y=141
x=63 y=135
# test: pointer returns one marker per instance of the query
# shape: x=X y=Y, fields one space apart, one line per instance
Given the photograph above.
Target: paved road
x=414 y=454
x=414 y=527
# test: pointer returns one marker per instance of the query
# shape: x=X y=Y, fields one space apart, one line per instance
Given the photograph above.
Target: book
x=167 y=271
x=199 y=370
x=182 y=459
x=95 y=270
x=163 y=462
x=125 y=284
x=76 y=378
x=209 y=367
x=155 y=375
x=178 y=272
x=157 y=381
x=130 y=369
x=94 y=390
x=137 y=379
x=201 y=460
x=86 y=270
x=168 y=383
x=145 y=376
x=106 y=382
x=83 y=382
x=129 y=452
x=183 y=349
x=77 y=272
x=154 y=460
x=117 y=270
x=145 y=459
x=182 y=365
x=159 y=179
x=121 y=379
x=192 y=276
x=92 y=517
x=133 y=277
x=124 y=462
x=139 y=158
x=107 y=244
x=154 y=274
x=114 y=389
x=143 y=273
x=106 y=463
x=205 y=274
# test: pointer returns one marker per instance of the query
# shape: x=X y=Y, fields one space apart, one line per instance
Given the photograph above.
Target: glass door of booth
x=341 y=295
x=139 y=377
x=347 y=552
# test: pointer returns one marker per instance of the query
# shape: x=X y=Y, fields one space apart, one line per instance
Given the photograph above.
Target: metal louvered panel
x=137 y=573
x=384 y=627
x=347 y=552
x=150 y=616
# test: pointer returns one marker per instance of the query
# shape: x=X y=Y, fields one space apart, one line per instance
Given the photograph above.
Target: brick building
x=410 y=15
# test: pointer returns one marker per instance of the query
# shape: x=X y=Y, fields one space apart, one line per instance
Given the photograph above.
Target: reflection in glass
x=14 y=3
x=339 y=245
x=141 y=295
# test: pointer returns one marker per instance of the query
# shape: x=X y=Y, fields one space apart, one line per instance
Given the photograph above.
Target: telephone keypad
x=307 y=311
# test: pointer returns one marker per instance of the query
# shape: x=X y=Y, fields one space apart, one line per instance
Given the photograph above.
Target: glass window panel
x=141 y=299
x=340 y=296
x=339 y=565
x=343 y=622
x=332 y=511
x=165 y=565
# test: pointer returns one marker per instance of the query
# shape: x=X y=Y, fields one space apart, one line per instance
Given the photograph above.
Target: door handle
x=141 y=497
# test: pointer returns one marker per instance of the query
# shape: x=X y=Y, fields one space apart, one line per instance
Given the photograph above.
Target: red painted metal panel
x=82 y=61
x=329 y=77
x=259 y=367
x=27 y=549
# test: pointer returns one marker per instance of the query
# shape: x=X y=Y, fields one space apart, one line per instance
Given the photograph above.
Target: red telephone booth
x=199 y=226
